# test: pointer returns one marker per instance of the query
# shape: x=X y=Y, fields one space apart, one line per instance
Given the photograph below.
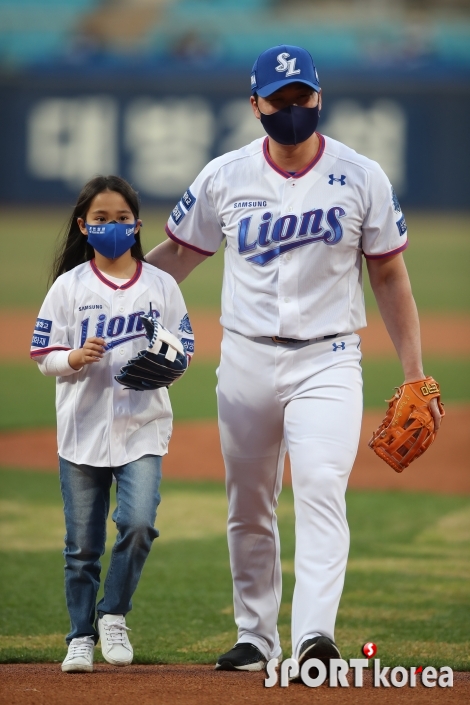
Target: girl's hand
x=92 y=351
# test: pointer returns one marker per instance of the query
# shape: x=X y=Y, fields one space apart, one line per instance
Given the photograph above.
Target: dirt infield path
x=44 y=684
x=195 y=455
x=442 y=334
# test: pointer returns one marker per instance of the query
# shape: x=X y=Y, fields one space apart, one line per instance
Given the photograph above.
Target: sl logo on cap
x=287 y=66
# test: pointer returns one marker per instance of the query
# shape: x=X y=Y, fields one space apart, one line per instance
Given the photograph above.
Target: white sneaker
x=115 y=645
x=79 y=657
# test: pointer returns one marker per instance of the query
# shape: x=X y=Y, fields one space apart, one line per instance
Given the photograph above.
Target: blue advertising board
x=158 y=133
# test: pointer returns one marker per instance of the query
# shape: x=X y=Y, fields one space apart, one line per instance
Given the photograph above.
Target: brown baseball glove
x=408 y=427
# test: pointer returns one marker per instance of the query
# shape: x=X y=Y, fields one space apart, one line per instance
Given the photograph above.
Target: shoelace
x=80 y=647
x=116 y=632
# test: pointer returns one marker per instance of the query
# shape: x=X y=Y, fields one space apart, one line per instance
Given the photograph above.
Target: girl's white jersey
x=99 y=422
x=294 y=243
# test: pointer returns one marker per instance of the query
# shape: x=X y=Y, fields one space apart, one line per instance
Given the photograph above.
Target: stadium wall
x=158 y=131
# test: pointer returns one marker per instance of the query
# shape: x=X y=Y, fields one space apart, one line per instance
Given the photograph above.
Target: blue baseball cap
x=281 y=65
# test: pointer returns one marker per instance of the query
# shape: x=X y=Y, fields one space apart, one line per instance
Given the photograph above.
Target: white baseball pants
x=305 y=397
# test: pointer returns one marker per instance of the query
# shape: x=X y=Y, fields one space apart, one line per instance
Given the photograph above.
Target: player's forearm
x=391 y=286
x=175 y=259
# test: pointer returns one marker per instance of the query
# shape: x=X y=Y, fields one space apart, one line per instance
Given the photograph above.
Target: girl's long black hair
x=74 y=248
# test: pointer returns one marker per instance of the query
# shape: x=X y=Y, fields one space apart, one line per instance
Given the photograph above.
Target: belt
x=289 y=341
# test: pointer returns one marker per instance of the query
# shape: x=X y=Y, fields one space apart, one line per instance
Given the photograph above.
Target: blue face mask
x=111 y=239
x=291 y=125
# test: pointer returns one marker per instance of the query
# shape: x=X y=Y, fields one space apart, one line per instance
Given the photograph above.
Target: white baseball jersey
x=294 y=243
x=99 y=422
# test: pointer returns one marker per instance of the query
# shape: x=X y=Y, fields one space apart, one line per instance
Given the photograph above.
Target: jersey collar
x=111 y=284
x=297 y=175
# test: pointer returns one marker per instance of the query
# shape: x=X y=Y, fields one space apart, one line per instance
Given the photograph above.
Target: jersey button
x=121 y=309
x=286 y=300
x=121 y=351
x=288 y=257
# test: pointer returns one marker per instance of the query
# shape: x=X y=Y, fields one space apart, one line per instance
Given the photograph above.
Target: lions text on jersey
x=99 y=422
x=294 y=242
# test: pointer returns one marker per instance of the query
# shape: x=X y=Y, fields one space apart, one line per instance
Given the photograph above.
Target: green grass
x=27 y=397
x=193 y=397
x=27 y=256
x=381 y=376
x=406 y=586
x=438 y=259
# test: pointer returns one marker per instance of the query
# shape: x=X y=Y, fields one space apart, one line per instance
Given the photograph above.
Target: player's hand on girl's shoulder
x=92 y=351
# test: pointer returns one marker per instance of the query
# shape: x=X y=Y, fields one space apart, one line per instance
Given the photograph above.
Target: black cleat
x=320 y=647
x=243 y=657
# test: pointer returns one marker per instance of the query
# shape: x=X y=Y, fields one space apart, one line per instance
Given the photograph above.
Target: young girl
x=88 y=327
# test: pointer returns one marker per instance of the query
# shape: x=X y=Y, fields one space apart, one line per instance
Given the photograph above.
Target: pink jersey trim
x=136 y=276
x=172 y=236
x=45 y=351
x=298 y=174
x=388 y=254
x=111 y=284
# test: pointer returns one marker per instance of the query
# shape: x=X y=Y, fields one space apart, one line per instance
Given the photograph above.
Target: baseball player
x=88 y=326
x=297 y=211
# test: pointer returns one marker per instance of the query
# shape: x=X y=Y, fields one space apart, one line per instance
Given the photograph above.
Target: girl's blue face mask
x=111 y=239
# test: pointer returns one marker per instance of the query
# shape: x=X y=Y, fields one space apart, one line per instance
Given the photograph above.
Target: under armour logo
x=287 y=66
x=338 y=346
x=342 y=179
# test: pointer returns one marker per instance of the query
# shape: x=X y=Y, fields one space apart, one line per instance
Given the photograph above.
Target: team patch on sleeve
x=395 y=202
x=40 y=341
x=43 y=325
x=185 y=325
x=177 y=214
x=188 y=345
x=401 y=225
x=188 y=200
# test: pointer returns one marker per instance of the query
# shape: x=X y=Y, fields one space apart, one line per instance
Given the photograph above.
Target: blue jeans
x=86 y=494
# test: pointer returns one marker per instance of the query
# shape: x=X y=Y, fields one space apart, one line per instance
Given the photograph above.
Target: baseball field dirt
x=44 y=684
x=444 y=467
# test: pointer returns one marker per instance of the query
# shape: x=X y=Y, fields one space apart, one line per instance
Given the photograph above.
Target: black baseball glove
x=161 y=364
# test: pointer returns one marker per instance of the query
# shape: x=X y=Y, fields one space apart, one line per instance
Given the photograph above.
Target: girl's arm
x=52 y=341
x=55 y=364
x=62 y=363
